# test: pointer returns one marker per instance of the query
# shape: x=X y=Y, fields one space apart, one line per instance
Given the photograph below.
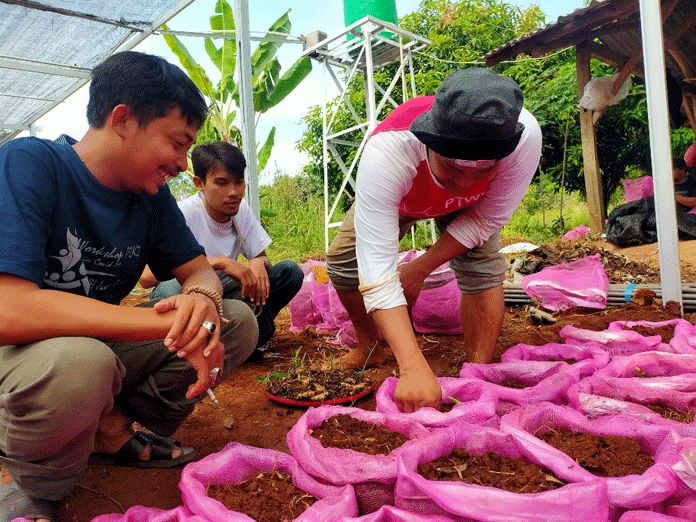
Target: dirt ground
x=248 y=416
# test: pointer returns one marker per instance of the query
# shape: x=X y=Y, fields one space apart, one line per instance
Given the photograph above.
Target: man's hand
x=258 y=267
x=412 y=278
x=416 y=390
x=203 y=366
x=190 y=340
x=247 y=279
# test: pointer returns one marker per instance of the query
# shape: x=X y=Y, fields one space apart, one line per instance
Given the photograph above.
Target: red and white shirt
x=394 y=179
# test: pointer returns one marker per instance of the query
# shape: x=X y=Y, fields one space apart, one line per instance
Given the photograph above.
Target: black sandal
x=161 y=449
x=14 y=503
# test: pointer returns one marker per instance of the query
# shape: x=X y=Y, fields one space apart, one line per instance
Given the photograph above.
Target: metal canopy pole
x=246 y=103
x=367 y=51
x=660 y=149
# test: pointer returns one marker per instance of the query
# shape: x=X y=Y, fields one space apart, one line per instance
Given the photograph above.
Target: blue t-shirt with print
x=64 y=230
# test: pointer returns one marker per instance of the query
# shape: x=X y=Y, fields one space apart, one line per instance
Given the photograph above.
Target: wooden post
x=593 y=183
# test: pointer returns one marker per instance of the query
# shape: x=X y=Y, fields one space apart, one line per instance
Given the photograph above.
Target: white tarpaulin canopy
x=48 y=49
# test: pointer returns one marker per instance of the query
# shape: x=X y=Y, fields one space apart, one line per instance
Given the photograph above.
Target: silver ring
x=209 y=325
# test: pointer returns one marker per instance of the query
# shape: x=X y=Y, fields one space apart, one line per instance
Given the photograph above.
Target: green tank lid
x=385 y=10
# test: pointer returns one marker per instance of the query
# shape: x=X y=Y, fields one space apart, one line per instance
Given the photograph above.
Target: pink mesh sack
x=392 y=514
x=437 y=310
x=473 y=401
x=652 y=364
x=146 y=514
x=579 y=283
x=576 y=233
x=542 y=380
x=575 y=502
x=596 y=396
x=616 y=342
x=372 y=476
x=589 y=357
x=237 y=462
x=302 y=310
x=656 y=484
x=684 y=508
x=649 y=516
x=637 y=188
x=683 y=340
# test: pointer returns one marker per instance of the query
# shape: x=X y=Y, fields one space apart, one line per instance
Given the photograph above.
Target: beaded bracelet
x=214 y=296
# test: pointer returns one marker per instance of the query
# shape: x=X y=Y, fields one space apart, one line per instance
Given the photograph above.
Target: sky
x=306 y=16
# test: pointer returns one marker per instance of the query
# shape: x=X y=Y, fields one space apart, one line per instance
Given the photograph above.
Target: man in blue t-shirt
x=79 y=220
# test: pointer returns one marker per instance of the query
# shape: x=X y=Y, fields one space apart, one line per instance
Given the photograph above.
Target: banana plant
x=269 y=86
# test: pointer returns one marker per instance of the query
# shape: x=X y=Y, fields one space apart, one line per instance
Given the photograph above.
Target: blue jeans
x=285 y=279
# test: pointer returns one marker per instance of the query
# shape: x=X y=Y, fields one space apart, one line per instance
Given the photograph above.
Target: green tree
x=269 y=86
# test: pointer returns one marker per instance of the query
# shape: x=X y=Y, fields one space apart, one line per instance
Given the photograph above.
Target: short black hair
x=205 y=156
x=149 y=85
x=679 y=163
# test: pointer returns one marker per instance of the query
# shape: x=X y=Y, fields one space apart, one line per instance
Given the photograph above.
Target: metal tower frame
x=370 y=48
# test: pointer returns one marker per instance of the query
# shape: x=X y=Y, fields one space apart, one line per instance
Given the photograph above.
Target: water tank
x=354 y=10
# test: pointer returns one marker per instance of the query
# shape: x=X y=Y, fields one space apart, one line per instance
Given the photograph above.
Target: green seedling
x=267 y=378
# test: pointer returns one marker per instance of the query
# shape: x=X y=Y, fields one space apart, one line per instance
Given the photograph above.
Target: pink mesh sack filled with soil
x=471 y=400
x=583 y=359
x=616 y=342
x=317 y=304
x=237 y=462
x=667 y=401
x=649 y=364
x=678 y=335
x=579 y=283
x=525 y=382
x=392 y=514
x=372 y=476
x=573 y=502
x=653 y=480
x=146 y=514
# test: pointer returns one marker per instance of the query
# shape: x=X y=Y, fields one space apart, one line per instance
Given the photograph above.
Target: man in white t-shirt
x=465 y=157
x=222 y=222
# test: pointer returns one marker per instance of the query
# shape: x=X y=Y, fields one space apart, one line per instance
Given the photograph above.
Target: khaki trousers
x=53 y=392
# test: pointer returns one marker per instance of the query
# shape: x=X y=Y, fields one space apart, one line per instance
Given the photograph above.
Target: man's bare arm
x=29 y=313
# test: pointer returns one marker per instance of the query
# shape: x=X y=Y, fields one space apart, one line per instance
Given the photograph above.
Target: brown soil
x=491 y=469
x=666 y=332
x=671 y=413
x=302 y=384
x=247 y=416
x=346 y=432
x=608 y=456
x=266 y=497
x=510 y=383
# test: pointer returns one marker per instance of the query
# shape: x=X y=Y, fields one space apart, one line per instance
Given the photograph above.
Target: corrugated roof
x=48 y=49
x=613 y=27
